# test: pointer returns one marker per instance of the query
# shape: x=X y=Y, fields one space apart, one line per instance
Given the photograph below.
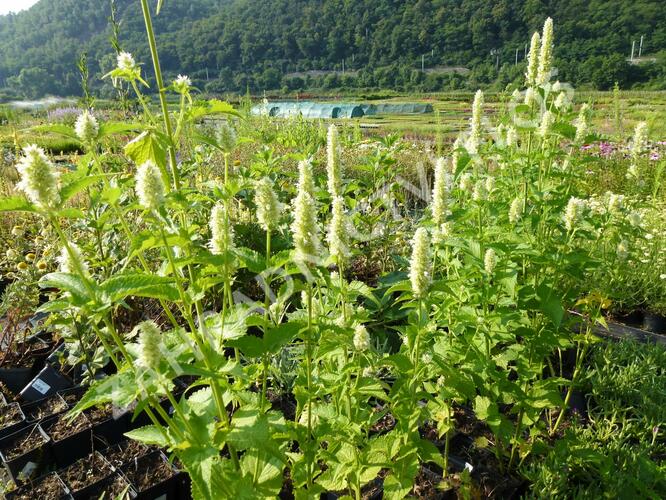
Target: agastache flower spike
x=474 y=138
x=582 y=123
x=533 y=61
x=38 y=178
x=150 y=338
x=73 y=263
x=182 y=84
x=304 y=228
x=222 y=234
x=149 y=186
x=420 y=268
x=268 y=205
x=126 y=62
x=338 y=231
x=516 y=210
x=86 y=127
x=489 y=261
x=573 y=212
x=546 y=54
x=361 y=338
x=640 y=140
x=440 y=193
x=333 y=161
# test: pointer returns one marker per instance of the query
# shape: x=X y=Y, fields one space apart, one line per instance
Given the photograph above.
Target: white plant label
x=28 y=469
x=41 y=386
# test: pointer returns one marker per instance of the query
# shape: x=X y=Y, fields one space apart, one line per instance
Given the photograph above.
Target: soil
x=383 y=425
x=86 y=472
x=46 y=408
x=11 y=414
x=112 y=490
x=99 y=414
x=62 y=428
x=125 y=452
x=48 y=487
x=29 y=442
x=72 y=397
x=148 y=471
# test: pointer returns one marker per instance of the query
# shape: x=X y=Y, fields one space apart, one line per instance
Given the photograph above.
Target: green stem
x=308 y=368
x=162 y=92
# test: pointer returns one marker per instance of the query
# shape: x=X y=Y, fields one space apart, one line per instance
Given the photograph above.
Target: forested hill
x=230 y=45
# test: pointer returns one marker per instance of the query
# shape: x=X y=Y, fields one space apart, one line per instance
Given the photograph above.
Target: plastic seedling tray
x=17 y=421
x=153 y=477
x=48 y=487
x=47 y=382
x=70 y=440
x=42 y=409
x=86 y=474
x=25 y=453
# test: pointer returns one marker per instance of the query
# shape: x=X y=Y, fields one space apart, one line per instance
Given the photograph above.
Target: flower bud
x=361 y=338
x=268 y=205
x=72 y=263
x=86 y=127
x=546 y=54
x=489 y=261
x=38 y=178
x=420 y=268
x=516 y=210
x=150 y=338
x=533 y=61
x=338 y=231
x=149 y=186
x=222 y=234
x=182 y=84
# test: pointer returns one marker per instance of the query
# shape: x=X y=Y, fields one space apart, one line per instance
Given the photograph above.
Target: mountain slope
x=232 y=44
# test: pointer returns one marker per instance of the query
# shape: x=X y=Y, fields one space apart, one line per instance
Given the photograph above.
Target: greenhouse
x=310 y=109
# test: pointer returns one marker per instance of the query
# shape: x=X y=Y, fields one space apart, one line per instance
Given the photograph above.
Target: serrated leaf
x=149 y=434
x=140 y=285
x=58 y=129
x=16 y=204
x=78 y=185
x=147 y=146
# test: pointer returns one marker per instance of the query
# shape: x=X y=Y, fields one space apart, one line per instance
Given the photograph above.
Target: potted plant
x=152 y=476
x=11 y=419
x=44 y=408
x=49 y=486
x=25 y=452
x=86 y=474
x=70 y=439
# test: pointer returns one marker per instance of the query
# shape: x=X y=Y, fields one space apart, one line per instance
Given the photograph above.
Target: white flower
x=640 y=140
x=465 y=181
x=622 y=250
x=582 y=122
x=182 y=84
x=662 y=276
x=304 y=228
x=562 y=101
x=546 y=54
x=573 y=212
x=149 y=186
x=615 y=202
x=516 y=210
x=361 y=338
x=338 y=230
x=72 y=263
x=150 y=338
x=530 y=96
x=489 y=261
x=38 y=178
x=511 y=136
x=268 y=205
x=420 y=273
x=635 y=219
x=333 y=161
x=126 y=62
x=474 y=139
x=547 y=121
x=440 y=192
x=222 y=233
x=480 y=192
x=533 y=61
x=226 y=136
x=11 y=254
x=86 y=127
x=426 y=358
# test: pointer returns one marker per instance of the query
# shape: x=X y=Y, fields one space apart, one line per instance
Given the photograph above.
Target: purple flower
x=655 y=156
x=606 y=148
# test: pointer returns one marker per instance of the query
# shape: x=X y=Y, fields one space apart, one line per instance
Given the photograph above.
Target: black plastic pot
x=16 y=426
x=16 y=378
x=109 y=488
x=31 y=462
x=86 y=492
x=168 y=489
x=655 y=323
x=31 y=489
x=47 y=382
x=629 y=318
x=112 y=430
x=69 y=449
x=32 y=409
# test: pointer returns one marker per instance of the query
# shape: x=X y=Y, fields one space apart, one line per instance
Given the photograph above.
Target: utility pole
x=423 y=63
x=633 y=48
x=343 y=66
x=525 y=56
x=640 y=48
x=207 y=74
x=516 y=57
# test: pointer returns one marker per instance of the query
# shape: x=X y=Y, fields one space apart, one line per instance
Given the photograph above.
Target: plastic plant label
x=41 y=386
x=28 y=469
x=468 y=467
x=162 y=497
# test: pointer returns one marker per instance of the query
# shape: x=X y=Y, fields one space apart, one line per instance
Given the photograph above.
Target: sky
x=7 y=6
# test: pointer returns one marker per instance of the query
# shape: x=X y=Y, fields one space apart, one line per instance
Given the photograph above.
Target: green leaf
x=78 y=185
x=67 y=282
x=149 y=434
x=550 y=304
x=58 y=129
x=16 y=204
x=147 y=146
x=140 y=285
x=112 y=128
